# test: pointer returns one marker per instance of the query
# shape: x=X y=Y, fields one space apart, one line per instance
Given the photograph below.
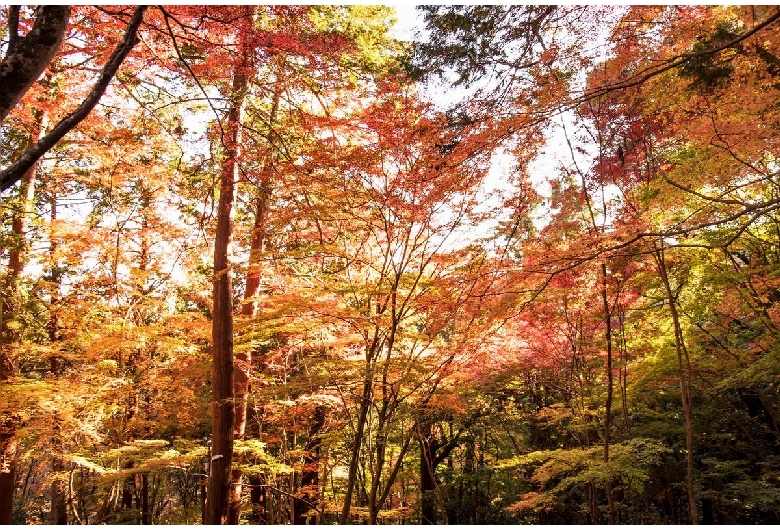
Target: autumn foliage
x=272 y=265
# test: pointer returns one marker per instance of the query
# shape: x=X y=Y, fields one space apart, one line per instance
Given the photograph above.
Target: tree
x=222 y=327
x=10 y=328
x=425 y=319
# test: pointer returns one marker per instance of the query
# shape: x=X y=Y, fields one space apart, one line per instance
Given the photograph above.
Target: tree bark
x=258 y=499
x=428 y=448
x=10 y=335
x=608 y=408
x=684 y=377
x=365 y=403
x=59 y=487
x=7 y=467
x=223 y=407
x=310 y=474
x=59 y=512
x=27 y=57
x=432 y=453
x=387 y=402
x=243 y=359
x=145 y=519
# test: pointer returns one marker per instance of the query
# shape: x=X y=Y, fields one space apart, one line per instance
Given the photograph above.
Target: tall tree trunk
x=427 y=474
x=684 y=377
x=243 y=358
x=203 y=494
x=59 y=511
x=128 y=487
x=608 y=408
x=243 y=363
x=58 y=491
x=623 y=370
x=56 y=363
x=7 y=463
x=10 y=334
x=365 y=403
x=432 y=453
x=145 y=519
x=223 y=408
x=475 y=480
x=310 y=474
x=380 y=442
x=59 y=487
x=258 y=497
x=357 y=442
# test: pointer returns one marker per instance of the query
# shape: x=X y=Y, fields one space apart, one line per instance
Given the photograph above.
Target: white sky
x=409 y=19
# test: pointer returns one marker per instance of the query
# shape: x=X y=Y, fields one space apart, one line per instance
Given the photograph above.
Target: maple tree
x=633 y=148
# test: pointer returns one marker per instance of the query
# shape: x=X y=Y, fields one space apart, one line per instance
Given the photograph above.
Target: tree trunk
x=127 y=489
x=355 y=456
x=10 y=335
x=308 y=494
x=684 y=377
x=59 y=487
x=7 y=467
x=203 y=499
x=223 y=408
x=145 y=519
x=259 y=500
x=380 y=448
x=623 y=371
x=608 y=408
x=243 y=363
x=56 y=363
x=365 y=403
x=59 y=513
x=427 y=475
x=27 y=57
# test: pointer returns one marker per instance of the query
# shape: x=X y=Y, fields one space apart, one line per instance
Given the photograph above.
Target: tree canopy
x=275 y=265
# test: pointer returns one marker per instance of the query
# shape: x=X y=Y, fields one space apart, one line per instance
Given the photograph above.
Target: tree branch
x=14 y=172
x=675 y=62
x=27 y=57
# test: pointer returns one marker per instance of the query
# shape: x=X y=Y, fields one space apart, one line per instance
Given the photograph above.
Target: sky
x=408 y=21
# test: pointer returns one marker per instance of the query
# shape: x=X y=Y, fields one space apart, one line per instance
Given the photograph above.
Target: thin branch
x=679 y=60
x=230 y=153
x=703 y=196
